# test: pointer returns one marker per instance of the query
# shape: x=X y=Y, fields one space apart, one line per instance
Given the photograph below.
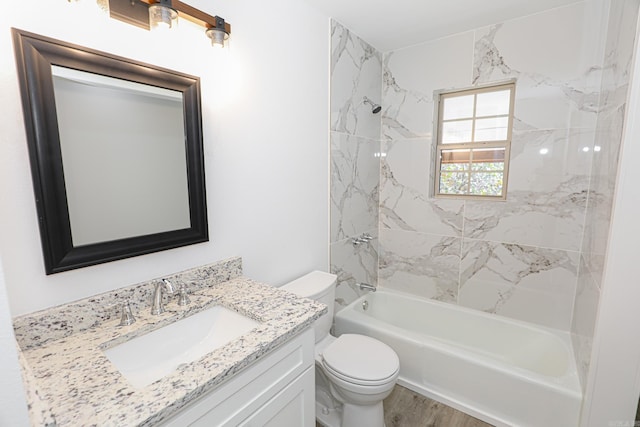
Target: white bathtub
x=503 y=371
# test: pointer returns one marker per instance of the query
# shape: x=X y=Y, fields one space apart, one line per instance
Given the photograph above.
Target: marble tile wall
x=518 y=258
x=539 y=255
x=355 y=161
x=616 y=69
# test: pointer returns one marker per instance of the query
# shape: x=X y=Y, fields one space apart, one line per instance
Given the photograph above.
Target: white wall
x=265 y=121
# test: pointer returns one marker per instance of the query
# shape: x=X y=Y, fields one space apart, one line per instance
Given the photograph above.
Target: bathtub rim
x=449 y=305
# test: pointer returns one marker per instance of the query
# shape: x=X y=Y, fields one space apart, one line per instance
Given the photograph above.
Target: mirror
x=116 y=153
x=138 y=164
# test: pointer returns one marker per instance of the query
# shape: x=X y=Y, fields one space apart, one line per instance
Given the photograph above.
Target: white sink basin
x=150 y=357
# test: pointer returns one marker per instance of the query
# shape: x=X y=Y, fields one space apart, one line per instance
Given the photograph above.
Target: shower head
x=375 y=108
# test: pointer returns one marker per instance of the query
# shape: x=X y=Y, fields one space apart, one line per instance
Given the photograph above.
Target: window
x=473 y=141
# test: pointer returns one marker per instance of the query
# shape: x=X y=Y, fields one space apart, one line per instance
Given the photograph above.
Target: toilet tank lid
x=311 y=285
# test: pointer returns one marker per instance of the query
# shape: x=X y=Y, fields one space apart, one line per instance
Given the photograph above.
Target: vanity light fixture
x=218 y=33
x=163 y=14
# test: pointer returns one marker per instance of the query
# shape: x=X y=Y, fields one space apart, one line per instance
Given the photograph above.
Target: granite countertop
x=79 y=385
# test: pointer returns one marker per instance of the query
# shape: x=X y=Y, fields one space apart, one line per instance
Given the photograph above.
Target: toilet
x=354 y=373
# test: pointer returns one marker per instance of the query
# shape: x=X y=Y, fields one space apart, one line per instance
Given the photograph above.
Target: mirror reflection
x=123 y=152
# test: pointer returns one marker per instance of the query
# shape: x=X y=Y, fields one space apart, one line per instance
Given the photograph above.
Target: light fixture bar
x=133 y=13
x=136 y=12
x=192 y=14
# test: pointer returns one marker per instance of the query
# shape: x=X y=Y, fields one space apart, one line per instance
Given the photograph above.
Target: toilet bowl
x=359 y=371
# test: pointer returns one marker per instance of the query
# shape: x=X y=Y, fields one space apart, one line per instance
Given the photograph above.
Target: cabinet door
x=294 y=406
x=252 y=389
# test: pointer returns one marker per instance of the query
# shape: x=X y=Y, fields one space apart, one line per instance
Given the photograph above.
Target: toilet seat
x=361 y=360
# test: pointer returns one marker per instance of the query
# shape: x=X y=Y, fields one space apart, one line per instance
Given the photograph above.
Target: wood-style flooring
x=404 y=408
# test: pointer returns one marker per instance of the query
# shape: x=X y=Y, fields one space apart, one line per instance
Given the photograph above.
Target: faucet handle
x=183 y=298
x=126 y=315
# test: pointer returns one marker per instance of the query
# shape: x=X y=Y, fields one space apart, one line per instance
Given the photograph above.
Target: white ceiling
x=392 y=24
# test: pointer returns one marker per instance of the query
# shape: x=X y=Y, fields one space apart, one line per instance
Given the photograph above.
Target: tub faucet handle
x=363 y=238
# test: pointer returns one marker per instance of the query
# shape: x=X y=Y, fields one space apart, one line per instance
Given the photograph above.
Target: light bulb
x=162 y=17
x=217 y=36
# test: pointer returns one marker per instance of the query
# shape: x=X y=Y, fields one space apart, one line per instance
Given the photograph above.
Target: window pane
x=457 y=107
x=488 y=159
x=454 y=166
x=488 y=166
x=455 y=159
x=454 y=182
x=486 y=183
x=494 y=129
x=493 y=103
x=453 y=132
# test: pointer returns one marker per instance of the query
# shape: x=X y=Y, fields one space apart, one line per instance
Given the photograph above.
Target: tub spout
x=367 y=287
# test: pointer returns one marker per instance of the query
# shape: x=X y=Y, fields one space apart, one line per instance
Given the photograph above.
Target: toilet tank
x=318 y=286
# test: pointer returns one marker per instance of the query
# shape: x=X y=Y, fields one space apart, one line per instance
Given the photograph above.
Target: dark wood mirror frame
x=35 y=55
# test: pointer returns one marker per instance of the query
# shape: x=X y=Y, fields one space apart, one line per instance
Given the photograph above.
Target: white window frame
x=506 y=144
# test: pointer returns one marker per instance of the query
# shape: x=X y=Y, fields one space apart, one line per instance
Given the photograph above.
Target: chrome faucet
x=157 y=306
x=366 y=286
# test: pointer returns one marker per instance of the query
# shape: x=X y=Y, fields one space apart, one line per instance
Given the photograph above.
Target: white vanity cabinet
x=276 y=390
